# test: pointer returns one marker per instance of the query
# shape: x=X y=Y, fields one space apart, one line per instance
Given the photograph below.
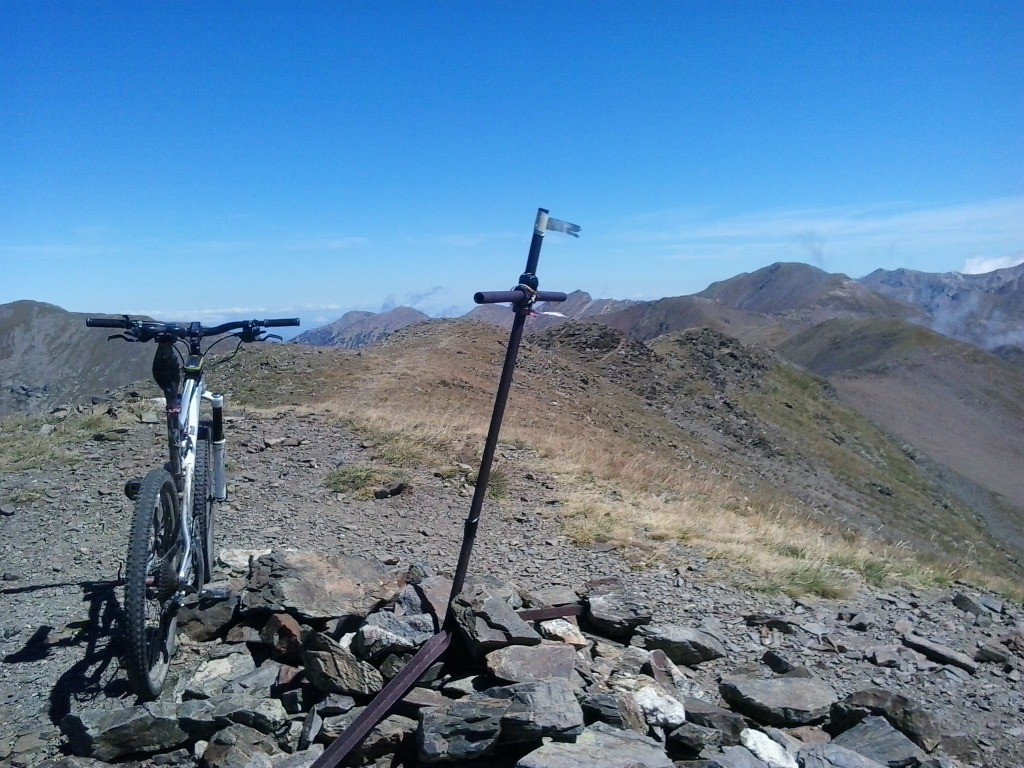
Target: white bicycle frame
x=193 y=392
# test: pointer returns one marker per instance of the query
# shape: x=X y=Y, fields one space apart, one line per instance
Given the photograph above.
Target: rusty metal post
x=522 y=298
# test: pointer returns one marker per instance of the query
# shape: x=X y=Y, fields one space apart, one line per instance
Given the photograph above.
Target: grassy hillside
x=949 y=401
x=693 y=438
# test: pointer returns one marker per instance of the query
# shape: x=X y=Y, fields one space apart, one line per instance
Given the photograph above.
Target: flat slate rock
x=780 y=701
x=693 y=738
x=737 y=757
x=487 y=622
x=616 y=615
x=553 y=596
x=902 y=713
x=600 y=746
x=237 y=745
x=214 y=676
x=681 y=644
x=729 y=724
x=112 y=734
x=434 y=592
x=313 y=586
x=523 y=663
x=876 y=739
x=835 y=756
x=466 y=730
x=333 y=668
x=542 y=709
x=940 y=653
x=208 y=618
x=384 y=633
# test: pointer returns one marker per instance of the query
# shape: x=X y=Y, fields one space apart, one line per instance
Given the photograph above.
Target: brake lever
x=120 y=336
x=266 y=336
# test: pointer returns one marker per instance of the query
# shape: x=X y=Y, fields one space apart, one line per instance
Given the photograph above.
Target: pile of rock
x=287 y=658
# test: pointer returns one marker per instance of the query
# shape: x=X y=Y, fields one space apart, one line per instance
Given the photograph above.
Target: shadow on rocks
x=91 y=676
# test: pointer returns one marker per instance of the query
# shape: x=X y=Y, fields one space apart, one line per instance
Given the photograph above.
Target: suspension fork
x=220 y=486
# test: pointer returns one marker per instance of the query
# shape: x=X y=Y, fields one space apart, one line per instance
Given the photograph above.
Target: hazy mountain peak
x=986 y=310
x=357 y=329
x=791 y=286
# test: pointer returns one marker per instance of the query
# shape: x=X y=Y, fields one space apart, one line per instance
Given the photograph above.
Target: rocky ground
x=958 y=653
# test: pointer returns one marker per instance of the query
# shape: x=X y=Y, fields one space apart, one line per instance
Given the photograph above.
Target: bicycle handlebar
x=145 y=330
x=516 y=296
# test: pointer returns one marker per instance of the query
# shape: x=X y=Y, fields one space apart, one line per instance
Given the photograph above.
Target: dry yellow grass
x=429 y=405
x=428 y=409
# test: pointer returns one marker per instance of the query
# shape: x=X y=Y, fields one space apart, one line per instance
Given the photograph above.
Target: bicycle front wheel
x=151 y=582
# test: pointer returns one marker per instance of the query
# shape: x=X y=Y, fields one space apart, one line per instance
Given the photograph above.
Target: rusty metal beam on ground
x=560 y=611
x=382 y=703
x=661 y=668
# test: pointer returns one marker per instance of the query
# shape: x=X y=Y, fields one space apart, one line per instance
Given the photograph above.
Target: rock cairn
x=275 y=665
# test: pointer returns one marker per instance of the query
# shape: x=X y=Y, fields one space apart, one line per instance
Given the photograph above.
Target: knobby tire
x=150 y=610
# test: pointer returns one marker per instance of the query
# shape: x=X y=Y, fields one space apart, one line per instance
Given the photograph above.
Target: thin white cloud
x=461 y=241
x=44 y=251
x=325 y=244
x=877 y=233
x=979 y=265
x=223 y=314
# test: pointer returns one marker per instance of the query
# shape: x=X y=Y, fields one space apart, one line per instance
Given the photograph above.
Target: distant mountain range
x=766 y=307
x=47 y=355
x=579 y=305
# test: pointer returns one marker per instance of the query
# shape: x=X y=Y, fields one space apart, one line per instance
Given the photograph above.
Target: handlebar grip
x=497 y=297
x=516 y=296
x=551 y=296
x=106 y=322
x=280 y=322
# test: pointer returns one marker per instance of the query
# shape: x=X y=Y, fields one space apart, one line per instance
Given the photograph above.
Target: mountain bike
x=170 y=547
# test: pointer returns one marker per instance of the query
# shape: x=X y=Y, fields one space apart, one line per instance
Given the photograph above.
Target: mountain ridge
x=49 y=356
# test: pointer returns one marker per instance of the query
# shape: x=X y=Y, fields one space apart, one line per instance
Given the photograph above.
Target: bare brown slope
x=651 y=319
x=962 y=407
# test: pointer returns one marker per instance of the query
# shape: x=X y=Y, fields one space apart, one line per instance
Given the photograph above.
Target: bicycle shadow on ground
x=95 y=672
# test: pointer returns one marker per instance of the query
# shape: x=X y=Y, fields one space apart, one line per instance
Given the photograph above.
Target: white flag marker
x=557 y=225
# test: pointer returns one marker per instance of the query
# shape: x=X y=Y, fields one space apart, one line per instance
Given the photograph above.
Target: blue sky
x=210 y=160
